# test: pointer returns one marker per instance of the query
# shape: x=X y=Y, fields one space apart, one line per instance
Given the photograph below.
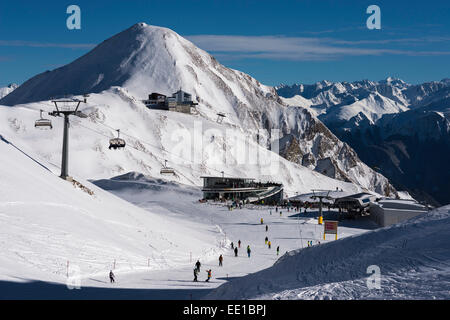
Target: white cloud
x=300 y=48
x=20 y=43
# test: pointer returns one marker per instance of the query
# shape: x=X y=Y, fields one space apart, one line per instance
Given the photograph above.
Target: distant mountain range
x=399 y=129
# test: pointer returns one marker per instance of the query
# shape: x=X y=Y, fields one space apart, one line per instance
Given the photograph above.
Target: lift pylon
x=66 y=108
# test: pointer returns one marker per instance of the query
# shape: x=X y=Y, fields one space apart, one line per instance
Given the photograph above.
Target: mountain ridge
x=407 y=127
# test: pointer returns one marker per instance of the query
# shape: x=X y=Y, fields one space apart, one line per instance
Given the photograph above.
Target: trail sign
x=330 y=227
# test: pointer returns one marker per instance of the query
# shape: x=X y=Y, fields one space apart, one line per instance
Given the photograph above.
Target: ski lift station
x=391 y=211
x=328 y=197
x=242 y=189
x=383 y=211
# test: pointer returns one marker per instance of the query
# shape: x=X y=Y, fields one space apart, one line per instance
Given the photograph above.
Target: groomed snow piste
x=413 y=257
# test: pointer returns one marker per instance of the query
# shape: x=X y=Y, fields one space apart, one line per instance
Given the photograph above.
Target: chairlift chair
x=166 y=170
x=117 y=143
x=43 y=123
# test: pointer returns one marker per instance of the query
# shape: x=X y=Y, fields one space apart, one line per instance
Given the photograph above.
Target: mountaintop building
x=180 y=101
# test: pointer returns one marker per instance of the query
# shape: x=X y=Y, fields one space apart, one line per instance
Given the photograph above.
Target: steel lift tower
x=66 y=108
x=321 y=194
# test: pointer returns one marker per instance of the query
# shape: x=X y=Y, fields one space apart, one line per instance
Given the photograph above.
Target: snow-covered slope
x=372 y=107
x=193 y=145
x=4 y=91
x=413 y=257
x=46 y=221
x=145 y=59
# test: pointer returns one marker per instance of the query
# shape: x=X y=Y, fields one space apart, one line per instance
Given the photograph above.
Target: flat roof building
x=241 y=189
x=386 y=212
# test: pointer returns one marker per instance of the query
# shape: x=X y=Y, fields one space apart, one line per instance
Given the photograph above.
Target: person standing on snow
x=262 y=221
x=209 y=275
x=198 y=264
x=270 y=245
x=195 y=274
x=267 y=228
x=112 y=277
x=248 y=251
x=232 y=245
x=278 y=250
x=265 y=240
x=220 y=261
x=235 y=252
x=239 y=243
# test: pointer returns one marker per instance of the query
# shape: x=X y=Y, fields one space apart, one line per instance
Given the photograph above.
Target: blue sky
x=274 y=41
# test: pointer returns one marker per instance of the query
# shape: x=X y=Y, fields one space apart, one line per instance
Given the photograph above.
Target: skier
x=235 y=252
x=220 y=261
x=270 y=245
x=278 y=250
x=267 y=228
x=195 y=274
x=248 y=251
x=239 y=243
x=262 y=221
x=232 y=245
x=198 y=264
x=112 y=277
x=265 y=240
x=209 y=275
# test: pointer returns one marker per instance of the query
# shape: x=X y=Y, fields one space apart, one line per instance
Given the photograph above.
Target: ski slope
x=46 y=222
x=150 y=238
x=413 y=257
